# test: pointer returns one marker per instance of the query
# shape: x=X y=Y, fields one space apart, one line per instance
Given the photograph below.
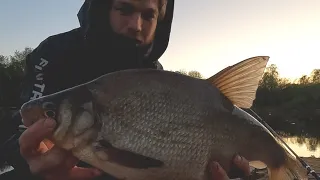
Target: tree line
x=12 y=71
x=292 y=107
x=11 y=74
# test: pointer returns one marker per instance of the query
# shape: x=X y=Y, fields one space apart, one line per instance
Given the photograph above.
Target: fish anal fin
x=240 y=82
x=105 y=151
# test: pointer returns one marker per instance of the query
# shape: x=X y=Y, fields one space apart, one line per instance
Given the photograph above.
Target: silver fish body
x=152 y=124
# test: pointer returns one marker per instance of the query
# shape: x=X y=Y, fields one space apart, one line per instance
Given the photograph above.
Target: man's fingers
x=53 y=162
x=78 y=173
x=59 y=167
x=242 y=164
x=52 y=159
x=75 y=173
x=71 y=162
x=217 y=172
x=31 y=138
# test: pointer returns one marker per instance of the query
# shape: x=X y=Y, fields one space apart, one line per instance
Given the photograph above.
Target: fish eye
x=50 y=114
x=49 y=105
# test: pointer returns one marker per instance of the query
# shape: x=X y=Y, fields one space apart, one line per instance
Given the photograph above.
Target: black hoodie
x=77 y=56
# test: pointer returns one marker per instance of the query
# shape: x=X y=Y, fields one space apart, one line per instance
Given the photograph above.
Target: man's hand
x=51 y=162
x=48 y=161
x=219 y=174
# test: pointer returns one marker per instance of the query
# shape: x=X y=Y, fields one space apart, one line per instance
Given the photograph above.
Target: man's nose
x=135 y=24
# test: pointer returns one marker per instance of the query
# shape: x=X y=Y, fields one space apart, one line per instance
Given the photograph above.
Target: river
x=304 y=147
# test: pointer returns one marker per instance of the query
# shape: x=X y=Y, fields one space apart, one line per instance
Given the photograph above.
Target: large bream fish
x=161 y=125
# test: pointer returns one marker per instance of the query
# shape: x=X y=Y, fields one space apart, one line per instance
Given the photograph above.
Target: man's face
x=136 y=19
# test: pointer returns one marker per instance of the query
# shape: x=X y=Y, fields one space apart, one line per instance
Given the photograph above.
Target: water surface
x=304 y=146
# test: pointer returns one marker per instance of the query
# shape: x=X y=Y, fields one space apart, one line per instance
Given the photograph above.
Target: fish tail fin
x=291 y=170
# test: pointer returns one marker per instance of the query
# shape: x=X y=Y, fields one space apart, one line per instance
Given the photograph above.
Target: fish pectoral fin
x=106 y=151
x=240 y=82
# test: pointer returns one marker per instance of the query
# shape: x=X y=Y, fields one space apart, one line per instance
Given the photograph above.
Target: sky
x=207 y=35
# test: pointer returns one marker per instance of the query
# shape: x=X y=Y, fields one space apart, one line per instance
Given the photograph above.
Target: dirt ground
x=314 y=163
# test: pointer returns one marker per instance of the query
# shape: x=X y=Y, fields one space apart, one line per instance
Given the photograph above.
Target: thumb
x=217 y=172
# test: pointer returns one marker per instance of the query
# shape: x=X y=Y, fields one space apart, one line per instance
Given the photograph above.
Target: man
x=113 y=35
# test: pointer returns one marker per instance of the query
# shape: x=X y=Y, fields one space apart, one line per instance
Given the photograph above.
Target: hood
x=160 y=43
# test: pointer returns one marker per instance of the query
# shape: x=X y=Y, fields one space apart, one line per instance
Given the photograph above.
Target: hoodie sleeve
x=35 y=82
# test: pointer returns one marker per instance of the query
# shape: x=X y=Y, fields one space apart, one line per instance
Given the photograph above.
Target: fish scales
x=171 y=127
x=195 y=122
x=153 y=124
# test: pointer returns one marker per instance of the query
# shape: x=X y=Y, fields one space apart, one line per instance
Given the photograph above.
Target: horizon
x=206 y=36
x=291 y=80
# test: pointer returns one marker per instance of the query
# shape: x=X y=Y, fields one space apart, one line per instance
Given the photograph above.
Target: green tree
x=283 y=83
x=181 y=71
x=195 y=74
x=270 y=79
x=3 y=61
x=11 y=73
x=304 y=80
x=315 y=76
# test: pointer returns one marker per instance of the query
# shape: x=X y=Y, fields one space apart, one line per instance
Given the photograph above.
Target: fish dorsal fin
x=240 y=82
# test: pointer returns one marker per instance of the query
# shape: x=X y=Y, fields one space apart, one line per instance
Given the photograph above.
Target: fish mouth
x=35 y=110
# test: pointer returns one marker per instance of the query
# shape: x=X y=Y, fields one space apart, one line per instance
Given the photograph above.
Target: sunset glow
x=206 y=35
